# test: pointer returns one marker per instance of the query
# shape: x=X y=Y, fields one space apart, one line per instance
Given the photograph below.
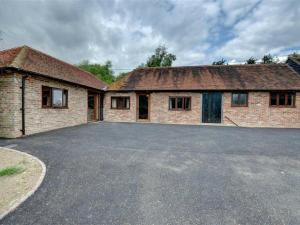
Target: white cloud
x=127 y=31
x=271 y=28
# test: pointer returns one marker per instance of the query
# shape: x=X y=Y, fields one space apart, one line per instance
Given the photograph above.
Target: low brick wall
x=38 y=119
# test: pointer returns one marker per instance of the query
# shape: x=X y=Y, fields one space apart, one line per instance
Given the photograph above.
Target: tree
x=220 y=62
x=295 y=55
x=102 y=72
x=161 y=58
x=268 y=59
x=251 y=60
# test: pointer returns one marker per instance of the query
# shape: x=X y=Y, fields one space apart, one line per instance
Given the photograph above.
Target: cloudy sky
x=127 y=32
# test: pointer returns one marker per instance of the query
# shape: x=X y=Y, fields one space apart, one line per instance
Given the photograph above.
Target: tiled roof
x=34 y=61
x=225 y=77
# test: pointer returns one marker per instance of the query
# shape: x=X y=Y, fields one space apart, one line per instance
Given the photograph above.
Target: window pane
x=282 y=99
x=46 y=96
x=187 y=103
x=57 y=97
x=121 y=103
x=65 y=98
x=179 y=103
x=273 y=99
x=172 y=103
x=91 y=103
x=235 y=99
x=127 y=103
x=113 y=103
x=290 y=99
x=243 y=99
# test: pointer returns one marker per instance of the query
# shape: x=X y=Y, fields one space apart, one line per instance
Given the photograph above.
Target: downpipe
x=23 y=87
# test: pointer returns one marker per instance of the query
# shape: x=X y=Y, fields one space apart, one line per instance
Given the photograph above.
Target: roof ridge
x=197 y=66
x=18 y=61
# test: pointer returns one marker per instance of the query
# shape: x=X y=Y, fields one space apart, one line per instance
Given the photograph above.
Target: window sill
x=179 y=110
x=119 y=109
x=239 y=106
x=55 y=107
x=282 y=106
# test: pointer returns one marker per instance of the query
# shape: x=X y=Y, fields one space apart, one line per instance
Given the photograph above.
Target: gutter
x=23 y=103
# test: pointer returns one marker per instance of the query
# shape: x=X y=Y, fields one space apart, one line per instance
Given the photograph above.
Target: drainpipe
x=23 y=103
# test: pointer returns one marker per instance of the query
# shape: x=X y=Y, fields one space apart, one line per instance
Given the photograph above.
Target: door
x=143 y=107
x=211 y=107
x=92 y=107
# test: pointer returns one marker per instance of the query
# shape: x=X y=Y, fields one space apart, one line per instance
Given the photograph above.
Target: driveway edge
x=30 y=193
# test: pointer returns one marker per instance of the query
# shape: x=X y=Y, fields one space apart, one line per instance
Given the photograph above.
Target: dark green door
x=143 y=107
x=211 y=107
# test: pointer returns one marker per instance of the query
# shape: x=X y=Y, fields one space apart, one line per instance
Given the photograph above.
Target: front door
x=211 y=107
x=143 y=107
x=92 y=107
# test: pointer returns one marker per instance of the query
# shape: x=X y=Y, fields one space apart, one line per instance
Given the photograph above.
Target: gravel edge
x=30 y=193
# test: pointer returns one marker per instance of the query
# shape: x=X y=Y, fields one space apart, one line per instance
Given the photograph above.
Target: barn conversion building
x=40 y=93
x=261 y=95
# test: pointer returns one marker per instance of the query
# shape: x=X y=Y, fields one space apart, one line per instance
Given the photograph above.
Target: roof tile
x=225 y=77
x=31 y=60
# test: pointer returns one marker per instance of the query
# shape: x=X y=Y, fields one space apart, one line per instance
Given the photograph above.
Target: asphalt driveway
x=113 y=173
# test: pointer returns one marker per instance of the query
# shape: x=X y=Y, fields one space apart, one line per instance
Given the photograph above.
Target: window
x=179 y=103
x=239 y=99
x=282 y=99
x=120 y=102
x=54 y=97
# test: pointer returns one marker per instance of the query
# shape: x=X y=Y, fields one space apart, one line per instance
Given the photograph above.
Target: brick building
x=40 y=93
x=238 y=95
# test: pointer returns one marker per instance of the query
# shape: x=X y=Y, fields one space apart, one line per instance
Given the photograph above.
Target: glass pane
x=235 y=99
x=187 y=103
x=172 y=103
x=273 y=99
x=127 y=103
x=179 y=103
x=243 y=99
x=57 y=97
x=46 y=96
x=91 y=102
x=113 y=103
x=65 y=95
x=121 y=103
x=290 y=99
x=282 y=99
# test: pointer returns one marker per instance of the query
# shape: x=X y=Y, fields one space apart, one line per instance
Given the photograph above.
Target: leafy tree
x=268 y=59
x=251 y=60
x=161 y=58
x=220 y=62
x=102 y=72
